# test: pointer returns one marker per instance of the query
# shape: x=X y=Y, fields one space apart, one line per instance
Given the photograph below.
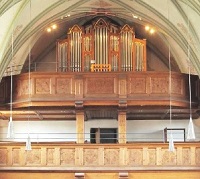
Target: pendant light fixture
x=171 y=140
x=190 y=131
x=28 y=139
x=10 y=132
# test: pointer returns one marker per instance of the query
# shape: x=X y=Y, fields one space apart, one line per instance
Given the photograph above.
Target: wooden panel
x=3 y=156
x=109 y=156
x=177 y=86
x=43 y=85
x=33 y=157
x=142 y=88
x=67 y=156
x=33 y=175
x=99 y=85
x=135 y=157
x=101 y=176
x=3 y=91
x=138 y=85
x=159 y=85
x=64 y=86
x=165 y=175
x=91 y=157
x=50 y=157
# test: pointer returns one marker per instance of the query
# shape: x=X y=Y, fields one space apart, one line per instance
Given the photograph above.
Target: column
x=122 y=122
x=80 y=126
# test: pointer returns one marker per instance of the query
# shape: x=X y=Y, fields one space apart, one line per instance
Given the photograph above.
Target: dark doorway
x=103 y=135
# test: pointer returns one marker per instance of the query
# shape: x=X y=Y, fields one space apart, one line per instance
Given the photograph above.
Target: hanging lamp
x=171 y=140
x=28 y=139
x=190 y=131
x=10 y=131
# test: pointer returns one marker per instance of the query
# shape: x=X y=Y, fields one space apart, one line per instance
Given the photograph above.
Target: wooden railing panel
x=141 y=88
x=129 y=156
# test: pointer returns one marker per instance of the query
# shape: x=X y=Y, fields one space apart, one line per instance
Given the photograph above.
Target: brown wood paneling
x=134 y=156
x=106 y=88
x=33 y=175
x=165 y=175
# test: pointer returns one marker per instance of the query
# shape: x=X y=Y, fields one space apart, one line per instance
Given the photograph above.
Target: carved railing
x=139 y=88
x=135 y=156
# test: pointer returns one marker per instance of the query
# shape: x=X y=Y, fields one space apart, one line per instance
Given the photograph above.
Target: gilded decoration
x=50 y=156
x=138 y=85
x=168 y=158
x=135 y=157
x=160 y=85
x=33 y=157
x=67 y=156
x=63 y=86
x=3 y=156
x=90 y=157
x=111 y=156
x=43 y=86
x=100 y=86
x=186 y=156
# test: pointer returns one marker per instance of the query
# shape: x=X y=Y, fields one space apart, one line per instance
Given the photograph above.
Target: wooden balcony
x=137 y=92
x=99 y=157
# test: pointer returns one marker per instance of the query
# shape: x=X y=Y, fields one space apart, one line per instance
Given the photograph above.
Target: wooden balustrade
x=108 y=88
x=98 y=157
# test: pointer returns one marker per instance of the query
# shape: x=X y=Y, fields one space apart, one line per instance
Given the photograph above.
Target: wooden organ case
x=101 y=46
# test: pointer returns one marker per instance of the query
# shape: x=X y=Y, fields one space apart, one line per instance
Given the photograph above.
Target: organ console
x=109 y=46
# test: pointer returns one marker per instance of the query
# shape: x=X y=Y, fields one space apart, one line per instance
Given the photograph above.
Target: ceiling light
x=147 y=28
x=48 y=29
x=134 y=16
x=54 y=26
x=152 y=31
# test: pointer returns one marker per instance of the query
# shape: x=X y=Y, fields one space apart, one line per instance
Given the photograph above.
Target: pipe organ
x=101 y=46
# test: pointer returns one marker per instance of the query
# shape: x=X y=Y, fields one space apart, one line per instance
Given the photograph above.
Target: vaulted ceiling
x=24 y=23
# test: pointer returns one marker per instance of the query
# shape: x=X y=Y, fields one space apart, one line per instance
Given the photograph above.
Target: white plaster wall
x=42 y=131
x=137 y=130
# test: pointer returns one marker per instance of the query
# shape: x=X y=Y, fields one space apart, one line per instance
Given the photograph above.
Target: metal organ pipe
x=137 y=57
x=78 y=53
x=128 y=51
x=123 y=49
x=75 y=52
x=106 y=45
x=71 y=52
x=97 y=46
x=100 y=55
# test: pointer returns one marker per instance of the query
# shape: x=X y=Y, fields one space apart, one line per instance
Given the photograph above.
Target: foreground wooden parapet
x=99 y=157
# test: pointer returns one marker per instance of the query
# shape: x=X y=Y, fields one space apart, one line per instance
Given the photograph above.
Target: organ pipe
x=105 y=40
